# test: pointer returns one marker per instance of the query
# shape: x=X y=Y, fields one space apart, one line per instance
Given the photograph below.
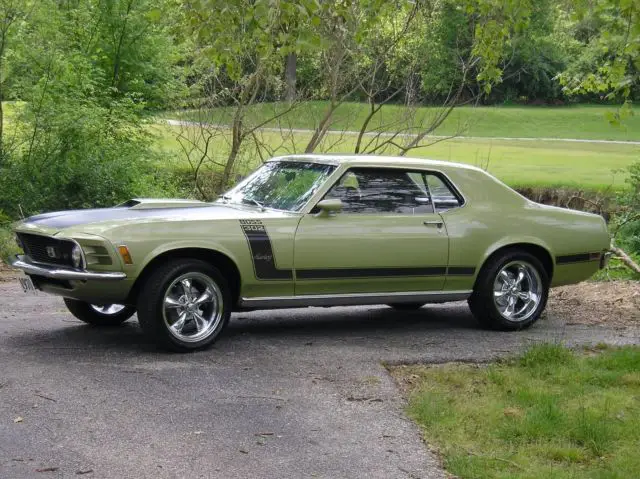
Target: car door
x=387 y=238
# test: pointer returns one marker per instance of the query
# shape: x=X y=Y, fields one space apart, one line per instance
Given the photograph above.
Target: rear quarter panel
x=495 y=217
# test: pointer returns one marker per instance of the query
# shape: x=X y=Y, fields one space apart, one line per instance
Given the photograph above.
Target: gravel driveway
x=288 y=393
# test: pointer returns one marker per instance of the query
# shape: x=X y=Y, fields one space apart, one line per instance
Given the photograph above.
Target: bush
x=8 y=246
x=627 y=228
x=83 y=156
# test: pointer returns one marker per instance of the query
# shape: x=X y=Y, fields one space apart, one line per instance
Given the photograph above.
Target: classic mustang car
x=312 y=230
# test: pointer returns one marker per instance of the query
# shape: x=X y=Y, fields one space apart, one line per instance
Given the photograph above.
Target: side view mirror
x=327 y=207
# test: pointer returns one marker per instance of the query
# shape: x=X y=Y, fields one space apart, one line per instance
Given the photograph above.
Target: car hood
x=95 y=221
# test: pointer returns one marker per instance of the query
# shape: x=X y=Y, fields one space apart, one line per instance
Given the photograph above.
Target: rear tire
x=99 y=315
x=184 y=305
x=406 y=306
x=511 y=291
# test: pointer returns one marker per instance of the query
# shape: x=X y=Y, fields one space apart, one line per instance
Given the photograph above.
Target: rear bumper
x=20 y=262
x=604 y=259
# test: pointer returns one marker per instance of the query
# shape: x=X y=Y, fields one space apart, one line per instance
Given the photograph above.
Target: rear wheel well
x=221 y=261
x=538 y=251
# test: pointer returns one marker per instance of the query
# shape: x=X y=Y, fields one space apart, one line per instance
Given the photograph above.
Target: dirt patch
x=611 y=303
x=6 y=273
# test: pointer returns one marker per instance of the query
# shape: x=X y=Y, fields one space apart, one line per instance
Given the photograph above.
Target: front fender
x=185 y=244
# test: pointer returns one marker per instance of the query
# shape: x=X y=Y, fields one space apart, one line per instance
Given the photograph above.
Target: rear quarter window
x=443 y=197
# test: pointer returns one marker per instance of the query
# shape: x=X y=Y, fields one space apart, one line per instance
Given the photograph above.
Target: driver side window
x=383 y=191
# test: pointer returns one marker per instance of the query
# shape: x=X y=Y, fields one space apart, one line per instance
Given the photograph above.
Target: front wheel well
x=538 y=251
x=221 y=261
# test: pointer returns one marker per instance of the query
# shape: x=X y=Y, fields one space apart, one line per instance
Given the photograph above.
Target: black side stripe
x=578 y=258
x=264 y=263
x=461 y=271
x=339 y=273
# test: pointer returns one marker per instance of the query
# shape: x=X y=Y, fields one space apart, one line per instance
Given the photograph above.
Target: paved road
x=310 y=381
x=408 y=135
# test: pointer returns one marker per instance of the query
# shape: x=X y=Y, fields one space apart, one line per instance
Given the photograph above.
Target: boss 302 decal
x=264 y=262
x=265 y=268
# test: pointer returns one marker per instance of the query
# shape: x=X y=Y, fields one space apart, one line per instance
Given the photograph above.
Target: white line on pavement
x=410 y=135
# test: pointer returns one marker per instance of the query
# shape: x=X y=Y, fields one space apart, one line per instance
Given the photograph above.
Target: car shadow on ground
x=376 y=323
x=333 y=323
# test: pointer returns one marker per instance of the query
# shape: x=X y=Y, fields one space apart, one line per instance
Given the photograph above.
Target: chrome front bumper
x=20 y=262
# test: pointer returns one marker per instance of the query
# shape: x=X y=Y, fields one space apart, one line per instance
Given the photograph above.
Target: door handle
x=437 y=224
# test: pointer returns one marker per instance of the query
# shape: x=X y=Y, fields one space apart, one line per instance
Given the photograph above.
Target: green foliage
x=241 y=35
x=608 y=62
x=544 y=357
x=551 y=413
x=627 y=222
x=85 y=74
x=88 y=169
x=445 y=31
x=8 y=246
x=89 y=70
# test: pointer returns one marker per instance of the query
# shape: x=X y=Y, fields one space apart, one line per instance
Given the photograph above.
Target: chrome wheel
x=192 y=307
x=517 y=291
x=108 y=309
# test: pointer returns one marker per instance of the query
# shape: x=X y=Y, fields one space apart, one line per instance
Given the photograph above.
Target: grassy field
x=518 y=163
x=552 y=413
x=579 y=121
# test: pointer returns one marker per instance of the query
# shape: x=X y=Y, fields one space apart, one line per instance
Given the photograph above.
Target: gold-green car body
x=275 y=258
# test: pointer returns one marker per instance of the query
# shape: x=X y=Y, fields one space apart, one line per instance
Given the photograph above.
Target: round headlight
x=76 y=256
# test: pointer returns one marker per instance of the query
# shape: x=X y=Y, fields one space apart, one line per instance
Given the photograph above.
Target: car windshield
x=282 y=185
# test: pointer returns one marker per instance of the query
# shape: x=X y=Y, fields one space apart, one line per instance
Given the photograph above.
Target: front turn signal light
x=126 y=256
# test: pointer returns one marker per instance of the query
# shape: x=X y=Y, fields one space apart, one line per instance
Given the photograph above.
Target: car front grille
x=44 y=249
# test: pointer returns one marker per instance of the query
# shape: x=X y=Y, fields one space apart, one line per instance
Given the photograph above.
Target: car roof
x=374 y=160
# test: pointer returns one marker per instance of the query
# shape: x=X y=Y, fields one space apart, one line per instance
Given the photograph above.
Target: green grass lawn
x=518 y=163
x=551 y=413
x=576 y=121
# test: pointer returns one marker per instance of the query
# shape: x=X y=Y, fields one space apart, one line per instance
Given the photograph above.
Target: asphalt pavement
x=283 y=394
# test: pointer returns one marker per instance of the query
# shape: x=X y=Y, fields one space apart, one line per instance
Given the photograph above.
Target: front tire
x=184 y=305
x=99 y=315
x=511 y=291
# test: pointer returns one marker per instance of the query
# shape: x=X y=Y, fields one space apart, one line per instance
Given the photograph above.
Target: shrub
x=8 y=245
x=627 y=228
x=84 y=156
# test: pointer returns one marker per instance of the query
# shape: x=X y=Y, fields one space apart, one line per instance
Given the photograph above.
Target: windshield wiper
x=255 y=202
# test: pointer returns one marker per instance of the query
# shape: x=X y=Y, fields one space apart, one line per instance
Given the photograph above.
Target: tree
x=13 y=13
x=78 y=136
x=376 y=50
x=242 y=45
x=608 y=63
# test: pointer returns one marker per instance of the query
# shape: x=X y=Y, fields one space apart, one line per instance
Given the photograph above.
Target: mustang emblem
x=52 y=252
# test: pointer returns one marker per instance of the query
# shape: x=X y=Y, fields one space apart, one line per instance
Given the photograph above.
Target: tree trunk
x=626 y=259
x=236 y=142
x=290 y=76
x=3 y=44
